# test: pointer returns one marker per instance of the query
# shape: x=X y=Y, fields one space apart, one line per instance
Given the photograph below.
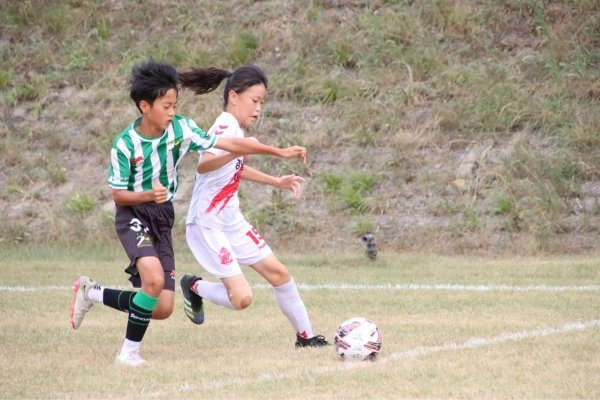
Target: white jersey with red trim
x=215 y=202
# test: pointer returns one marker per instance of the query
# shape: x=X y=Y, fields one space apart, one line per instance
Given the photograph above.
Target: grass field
x=454 y=327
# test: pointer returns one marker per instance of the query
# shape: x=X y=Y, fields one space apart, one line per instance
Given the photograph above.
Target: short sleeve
x=119 y=171
x=199 y=140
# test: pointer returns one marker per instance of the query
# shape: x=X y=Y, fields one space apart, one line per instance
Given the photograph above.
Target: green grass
x=250 y=354
x=81 y=203
x=411 y=83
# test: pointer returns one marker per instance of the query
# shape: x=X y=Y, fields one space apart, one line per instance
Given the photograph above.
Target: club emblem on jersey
x=172 y=144
x=225 y=256
x=137 y=160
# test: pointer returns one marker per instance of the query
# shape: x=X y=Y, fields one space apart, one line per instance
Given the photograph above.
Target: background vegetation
x=447 y=126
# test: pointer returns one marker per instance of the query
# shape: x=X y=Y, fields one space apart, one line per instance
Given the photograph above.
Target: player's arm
x=124 y=197
x=289 y=182
x=210 y=162
x=247 y=146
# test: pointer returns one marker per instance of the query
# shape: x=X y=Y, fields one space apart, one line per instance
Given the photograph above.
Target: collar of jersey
x=229 y=117
x=137 y=123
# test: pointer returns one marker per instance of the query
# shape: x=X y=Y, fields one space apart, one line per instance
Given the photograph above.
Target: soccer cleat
x=131 y=358
x=315 y=341
x=81 y=303
x=192 y=303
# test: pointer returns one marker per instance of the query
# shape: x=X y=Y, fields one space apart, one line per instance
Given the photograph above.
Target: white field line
x=392 y=287
x=450 y=287
x=470 y=343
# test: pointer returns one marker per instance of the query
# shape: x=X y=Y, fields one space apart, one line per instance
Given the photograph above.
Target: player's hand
x=159 y=193
x=298 y=152
x=290 y=182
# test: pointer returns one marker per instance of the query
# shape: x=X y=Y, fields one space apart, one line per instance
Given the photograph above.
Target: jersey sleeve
x=222 y=129
x=199 y=140
x=119 y=171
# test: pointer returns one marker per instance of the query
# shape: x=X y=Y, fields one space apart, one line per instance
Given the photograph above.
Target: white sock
x=289 y=302
x=96 y=293
x=215 y=292
x=129 y=346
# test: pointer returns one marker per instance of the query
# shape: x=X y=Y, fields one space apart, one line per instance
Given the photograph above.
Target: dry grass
x=250 y=354
x=399 y=90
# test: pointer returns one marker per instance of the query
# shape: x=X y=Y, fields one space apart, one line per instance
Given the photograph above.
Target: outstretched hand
x=291 y=182
x=298 y=152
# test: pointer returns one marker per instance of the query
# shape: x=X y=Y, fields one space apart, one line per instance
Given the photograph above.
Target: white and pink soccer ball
x=358 y=339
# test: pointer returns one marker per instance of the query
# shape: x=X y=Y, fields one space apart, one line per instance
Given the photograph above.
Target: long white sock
x=289 y=302
x=215 y=292
x=96 y=293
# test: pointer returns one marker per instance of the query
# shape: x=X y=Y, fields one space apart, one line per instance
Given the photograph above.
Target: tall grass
x=413 y=83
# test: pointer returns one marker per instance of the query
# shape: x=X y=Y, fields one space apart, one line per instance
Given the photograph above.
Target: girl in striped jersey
x=217 y=232
x=143 y=178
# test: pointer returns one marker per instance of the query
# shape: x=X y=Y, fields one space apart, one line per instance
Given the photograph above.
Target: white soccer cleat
x=81 y=303
x=130 y=358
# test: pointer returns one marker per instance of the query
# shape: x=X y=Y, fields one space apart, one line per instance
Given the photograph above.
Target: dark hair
x=150 y=80
x=205 y=80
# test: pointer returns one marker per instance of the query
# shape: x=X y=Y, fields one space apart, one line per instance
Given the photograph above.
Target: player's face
x=248 y=104
x=162 y=111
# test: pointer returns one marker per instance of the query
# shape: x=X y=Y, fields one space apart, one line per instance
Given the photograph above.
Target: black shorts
x=145 y=231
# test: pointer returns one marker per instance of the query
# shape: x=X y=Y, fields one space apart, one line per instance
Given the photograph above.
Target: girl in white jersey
x=143 y=178
x=217 y=233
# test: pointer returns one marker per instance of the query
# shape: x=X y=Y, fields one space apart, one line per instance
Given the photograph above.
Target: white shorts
x=222 y=252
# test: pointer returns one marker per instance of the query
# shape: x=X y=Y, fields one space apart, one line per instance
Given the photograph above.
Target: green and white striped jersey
x=137 y=162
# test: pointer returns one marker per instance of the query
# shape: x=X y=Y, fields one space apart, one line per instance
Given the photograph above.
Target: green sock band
x=144 y=301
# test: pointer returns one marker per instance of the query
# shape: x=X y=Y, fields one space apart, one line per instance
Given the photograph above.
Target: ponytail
x=203 y=80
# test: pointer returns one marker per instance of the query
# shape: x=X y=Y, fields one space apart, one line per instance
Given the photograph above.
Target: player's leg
x=150 y=301
x=165 y=304
x=286 y=294
x=212 y=250
x=233 y=292
x=92 y=293
x=251 y=249
x=155 y=275
x=140 y=309
x=137 y=243
x=238 y=290
x=288 y=299
x=164 y=248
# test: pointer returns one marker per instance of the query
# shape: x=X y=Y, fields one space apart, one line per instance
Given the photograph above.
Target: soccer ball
x=358 y=339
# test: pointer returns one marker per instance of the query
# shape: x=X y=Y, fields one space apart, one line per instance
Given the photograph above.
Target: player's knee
x=243 y=303
x=164 y=307
x=285 y=275
x=280 y=277
x=162 y=313
x=154 y=286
